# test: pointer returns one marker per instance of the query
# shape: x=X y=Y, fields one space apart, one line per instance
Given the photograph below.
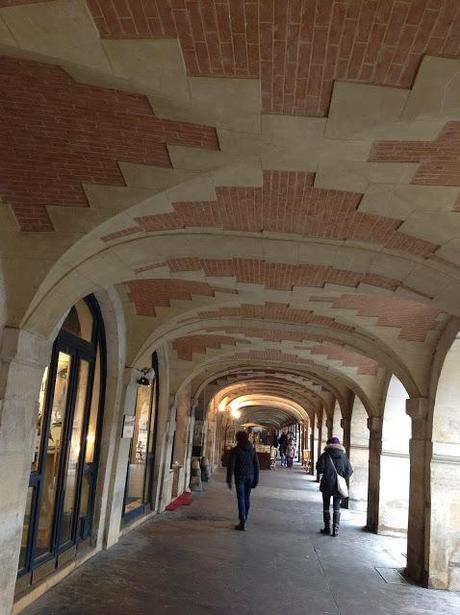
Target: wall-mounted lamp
x=148 y=376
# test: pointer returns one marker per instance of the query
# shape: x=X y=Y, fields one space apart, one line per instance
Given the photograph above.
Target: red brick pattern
x=297 y=47
x=288 y=203
x=279 y=276
x=414 y=320
x=272 y=354
x=61 y=133
x=328 y=346
x=439 y=159
x=186 y=346
x=364 y=365
x=149 y=294
x=276 y=311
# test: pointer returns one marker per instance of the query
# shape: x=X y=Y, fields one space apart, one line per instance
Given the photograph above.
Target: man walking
x=244 y=466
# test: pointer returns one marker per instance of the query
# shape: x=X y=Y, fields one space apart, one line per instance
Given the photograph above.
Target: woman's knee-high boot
x=327 y=523
x=335 y=523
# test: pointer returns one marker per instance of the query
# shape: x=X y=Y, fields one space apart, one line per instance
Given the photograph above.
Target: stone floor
x=192 y=562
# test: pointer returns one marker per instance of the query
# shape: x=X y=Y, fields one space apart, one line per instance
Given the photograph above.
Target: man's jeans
x=243 y=493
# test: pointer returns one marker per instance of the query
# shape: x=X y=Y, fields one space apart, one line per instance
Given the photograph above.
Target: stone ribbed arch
x=272 y=390
x=331 y=379
x=231 y=373
x=261 y=326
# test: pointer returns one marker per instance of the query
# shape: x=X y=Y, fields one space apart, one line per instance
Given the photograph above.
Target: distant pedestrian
x=244 y=466
x=283 y=440
x=332 y=462
x=290 y=453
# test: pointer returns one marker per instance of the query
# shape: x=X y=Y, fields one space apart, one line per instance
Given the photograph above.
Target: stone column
x=181 y=441
x=166 y=473
x=327 y=433
x=374 y=425
x=120 y=466
x=420 y=455
x=23 y=358
x=345 y=424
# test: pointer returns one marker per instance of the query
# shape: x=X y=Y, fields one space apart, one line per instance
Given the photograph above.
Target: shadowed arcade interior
x=218 y=214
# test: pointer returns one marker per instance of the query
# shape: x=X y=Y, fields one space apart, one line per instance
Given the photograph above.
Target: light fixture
x=148 y=375
x=235 y=413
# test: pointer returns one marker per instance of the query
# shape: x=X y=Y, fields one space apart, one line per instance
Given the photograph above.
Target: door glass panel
x=52 y=455
x=94 y=412
x=73 y=455
x=26 y=528
x=40 y=421
x=85 y=495
x=79 y=321
x=138 y=455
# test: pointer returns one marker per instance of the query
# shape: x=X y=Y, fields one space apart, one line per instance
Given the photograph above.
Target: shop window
x=64 y=462
x=142 y=448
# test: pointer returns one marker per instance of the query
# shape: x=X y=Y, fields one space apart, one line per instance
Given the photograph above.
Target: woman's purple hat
x=333 y=440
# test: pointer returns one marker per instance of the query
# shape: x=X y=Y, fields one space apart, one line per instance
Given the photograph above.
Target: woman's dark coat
x=336 y=453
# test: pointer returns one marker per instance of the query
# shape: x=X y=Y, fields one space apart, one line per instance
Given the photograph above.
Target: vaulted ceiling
x=269 y=185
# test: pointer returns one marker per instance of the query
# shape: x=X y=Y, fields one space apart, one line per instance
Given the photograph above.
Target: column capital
x=417 y=408
x=374 y=423
x=130 y=375
x=25 y=347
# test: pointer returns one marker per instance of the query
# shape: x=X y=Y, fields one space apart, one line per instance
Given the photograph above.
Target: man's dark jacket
x=333 y=453
x=243 y=464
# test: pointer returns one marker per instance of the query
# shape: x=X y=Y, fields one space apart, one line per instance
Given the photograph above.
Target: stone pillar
x=420 y=455
x=120 y=466
x=166 y=473
x=181 y=441
x=345 y=424
x=374 y=425
x=327 y=433
x=23 y=358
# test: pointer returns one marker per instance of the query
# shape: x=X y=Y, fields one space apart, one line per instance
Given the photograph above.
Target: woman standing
x=290 y=453
x=332 y=462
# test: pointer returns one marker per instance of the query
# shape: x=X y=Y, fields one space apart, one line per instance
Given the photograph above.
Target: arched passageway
x=394 y=461
x=258 y=202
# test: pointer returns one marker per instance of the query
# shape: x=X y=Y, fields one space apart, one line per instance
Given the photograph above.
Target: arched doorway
x=444 y=549
x=60 y=502
x=395 y=462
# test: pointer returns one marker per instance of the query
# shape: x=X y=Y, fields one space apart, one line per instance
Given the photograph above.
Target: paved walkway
x=192 y=562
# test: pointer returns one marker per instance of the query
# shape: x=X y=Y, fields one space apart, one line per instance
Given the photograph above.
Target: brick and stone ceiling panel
x=147 y=295
x=438 y=160
x=288 y=202
x=327 y=347
x=187 y=346
x=61 y=134
x=296 y=47
x=414 y=320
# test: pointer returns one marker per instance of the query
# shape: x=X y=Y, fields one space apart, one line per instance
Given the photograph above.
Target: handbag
x=342 y=487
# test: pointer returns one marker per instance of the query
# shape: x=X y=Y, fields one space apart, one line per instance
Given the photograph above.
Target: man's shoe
x=241 y=527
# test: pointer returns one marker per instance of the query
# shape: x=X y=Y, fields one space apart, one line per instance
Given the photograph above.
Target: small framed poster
x=128 y=426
